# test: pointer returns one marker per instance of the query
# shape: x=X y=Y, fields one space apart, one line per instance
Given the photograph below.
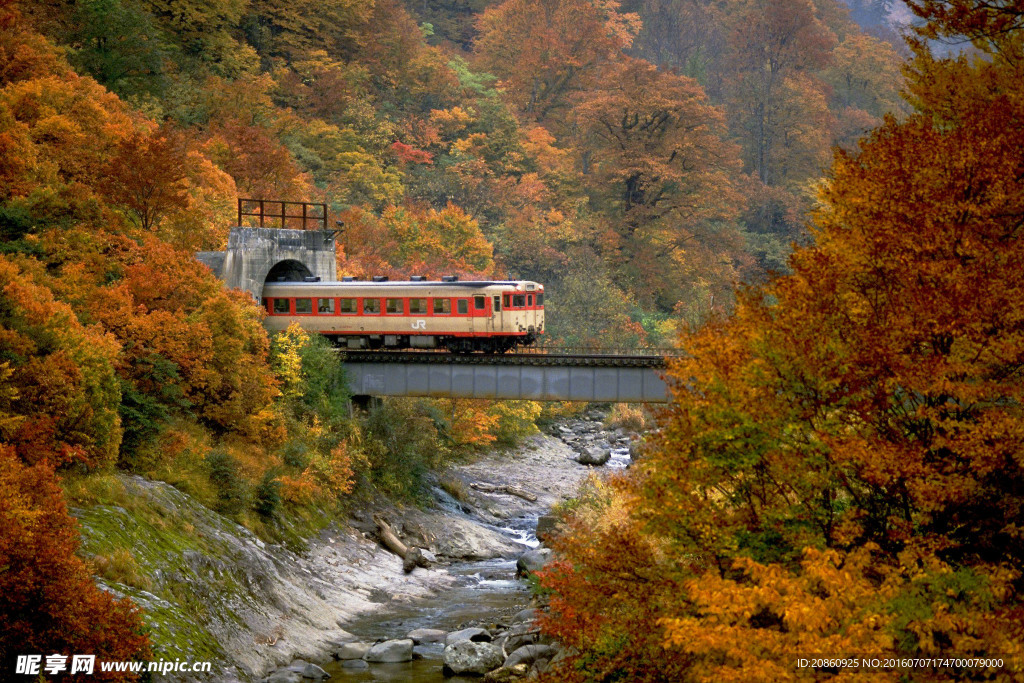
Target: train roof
x=403 y=283
x=295 y=287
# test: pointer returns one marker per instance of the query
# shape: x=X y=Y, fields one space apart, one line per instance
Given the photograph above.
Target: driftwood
x=511 y=490
x=412 y=556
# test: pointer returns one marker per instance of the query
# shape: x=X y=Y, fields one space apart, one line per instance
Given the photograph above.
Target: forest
x=822 y=212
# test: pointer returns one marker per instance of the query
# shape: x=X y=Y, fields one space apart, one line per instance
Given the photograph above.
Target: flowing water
x=485 y=593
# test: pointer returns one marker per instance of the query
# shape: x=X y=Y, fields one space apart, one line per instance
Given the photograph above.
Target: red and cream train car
x=458 y=316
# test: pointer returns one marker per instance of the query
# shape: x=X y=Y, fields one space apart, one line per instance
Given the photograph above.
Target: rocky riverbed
x=483 y=625
x=254 y=609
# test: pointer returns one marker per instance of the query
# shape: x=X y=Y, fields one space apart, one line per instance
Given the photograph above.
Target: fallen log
x=511 y=490
x=412 y=556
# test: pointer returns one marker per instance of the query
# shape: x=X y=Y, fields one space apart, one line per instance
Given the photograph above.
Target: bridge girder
x=509 y=382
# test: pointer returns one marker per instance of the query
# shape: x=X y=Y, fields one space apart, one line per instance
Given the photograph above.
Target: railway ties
x=647 y=358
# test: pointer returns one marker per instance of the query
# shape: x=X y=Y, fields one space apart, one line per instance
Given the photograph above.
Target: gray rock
x=352 y=651
x=594 y=456
x=427 y=635
x=529 y=654
x=391 y=651
x=314 y=672
x=547 y=525
x=355 y=664
x=533 y=561
x=466 y=540
x=477 y=635
x=636 y=449
x=284 y=676
x=298 y=665
x=428 y=651
x=526 y=616
x=469 y=657
x=507 y=674
x=513 y=643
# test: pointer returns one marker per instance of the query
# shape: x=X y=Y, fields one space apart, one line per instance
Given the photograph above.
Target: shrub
x=267 y=495
x=225 y=477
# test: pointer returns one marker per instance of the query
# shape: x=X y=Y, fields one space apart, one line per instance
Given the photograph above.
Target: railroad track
x=635 y=358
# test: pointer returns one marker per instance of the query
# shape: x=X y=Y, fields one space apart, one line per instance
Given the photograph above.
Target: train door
x=480 y=322
x=498 y=320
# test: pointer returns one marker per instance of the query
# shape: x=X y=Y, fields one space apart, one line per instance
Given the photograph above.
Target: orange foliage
x=47 y=595
x=840 y=472
x=471 y=424
x=261 y=166
x=67 y=393
x=545 y=50
x=413 y=240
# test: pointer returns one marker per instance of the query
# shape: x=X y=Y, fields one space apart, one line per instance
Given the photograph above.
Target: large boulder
x=470 y=657
x=314 y=673
x=463 y=539
x=427 y=635
x=352 y=651
x=478 y=635
x=284 y=676
x=526 y=616
x=533 y=561
x=391 y=651
x=547 y=525
x=355 y=665
x=594 y=456
x=528 y=654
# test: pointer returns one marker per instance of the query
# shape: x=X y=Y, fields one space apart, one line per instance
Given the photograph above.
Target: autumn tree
x=413 y=240
x=47 y=594
x=840 y=471
x=770 y=43
x=290 y=30
x=146 y=174
x=66 y=395
x=544 y=50
x=654 y=146
x=260 y=165
x=862 y=75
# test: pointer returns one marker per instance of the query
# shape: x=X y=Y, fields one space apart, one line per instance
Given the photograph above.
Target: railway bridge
x=258 y=254
x=544 y=374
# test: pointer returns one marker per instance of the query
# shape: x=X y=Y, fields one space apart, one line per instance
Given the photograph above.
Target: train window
x=463 y=306
x=540 y=300
x=508 y=301
x=325 y=306
x=519 y=300
x=417 y=306
x=394 y=306
x=497 y=304
x=281 y=307
x=303 y=306
x=347 y=306
x=479 y=302
x=371 y=306
x=442 y=306
x=529 y=300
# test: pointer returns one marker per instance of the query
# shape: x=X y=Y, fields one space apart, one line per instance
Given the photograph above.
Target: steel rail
x=606 y=358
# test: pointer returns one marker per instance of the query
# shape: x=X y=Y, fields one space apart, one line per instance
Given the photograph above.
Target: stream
x=485 y=593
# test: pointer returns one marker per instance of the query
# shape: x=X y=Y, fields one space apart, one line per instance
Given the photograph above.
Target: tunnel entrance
x=288 y=270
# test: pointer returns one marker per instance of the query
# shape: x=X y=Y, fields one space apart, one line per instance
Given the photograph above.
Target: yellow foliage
x=288 y=346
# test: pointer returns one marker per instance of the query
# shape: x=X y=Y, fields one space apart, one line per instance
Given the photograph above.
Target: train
x=489 y=316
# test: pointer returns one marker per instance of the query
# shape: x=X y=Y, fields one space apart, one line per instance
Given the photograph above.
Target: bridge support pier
x=365 y=402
